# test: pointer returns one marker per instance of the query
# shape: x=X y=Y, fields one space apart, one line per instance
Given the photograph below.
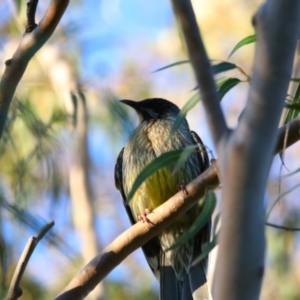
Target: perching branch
x=15 y=290
x=136 y=236
x=30 y=44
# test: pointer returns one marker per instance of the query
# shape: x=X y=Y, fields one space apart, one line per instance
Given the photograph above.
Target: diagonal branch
x=15 y=290
x=202 y=68
x=30 y=44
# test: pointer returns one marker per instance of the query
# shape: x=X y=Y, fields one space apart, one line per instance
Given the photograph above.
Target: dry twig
x=15 y=290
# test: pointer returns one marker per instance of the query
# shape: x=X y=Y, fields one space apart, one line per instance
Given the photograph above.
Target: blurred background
x=65 y=130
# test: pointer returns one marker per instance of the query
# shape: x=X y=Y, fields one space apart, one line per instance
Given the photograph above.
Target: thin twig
x=15 y=290
x=282 y=227
x=288 y=135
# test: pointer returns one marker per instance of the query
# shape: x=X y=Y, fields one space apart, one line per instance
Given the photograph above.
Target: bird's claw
x=182 y=187
x=143 y=217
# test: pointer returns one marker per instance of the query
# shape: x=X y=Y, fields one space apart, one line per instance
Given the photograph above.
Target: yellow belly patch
x=157 y=189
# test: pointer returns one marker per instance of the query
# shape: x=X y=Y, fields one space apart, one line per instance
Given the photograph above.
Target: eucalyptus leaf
x=223 y=67
x=277 y=200
x=206 y=249
x=216 y=223
x=172 y=65
x=295 y=79
x=292 y=173
x=209 y=204
x=191 y=103
x=227 y=85
x=245 y=41
x=184 y=157
x=293 y=110
x=294 y=106
x=216 y=68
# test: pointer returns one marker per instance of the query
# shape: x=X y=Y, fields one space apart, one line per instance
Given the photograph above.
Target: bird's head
x=152 y=109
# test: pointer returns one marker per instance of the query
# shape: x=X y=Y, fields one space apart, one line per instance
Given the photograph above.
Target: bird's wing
x=152 y=248
x=204 y=234
x=203 y=156
x=119 y=184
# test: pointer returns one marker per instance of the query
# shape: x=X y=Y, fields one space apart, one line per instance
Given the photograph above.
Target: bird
x=179 y=279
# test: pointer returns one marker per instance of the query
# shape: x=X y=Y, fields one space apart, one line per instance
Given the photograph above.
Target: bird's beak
x=131 y=103
x=144 y=113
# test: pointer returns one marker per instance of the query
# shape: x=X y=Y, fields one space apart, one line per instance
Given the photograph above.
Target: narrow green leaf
x=160 y=162
x=295 y=79
x=216 y=223
x=172 y=65
x=222 y=67
x=297 y=93
x=294 y=106
x=293 y=110
x=220 y=81
x=292 y=173
x=281 y=196
x=247 y=40
x=185 y=154
x=217 y=68
x=206 y=249
x=191 y=103
x=227 y=85
x=204 y=217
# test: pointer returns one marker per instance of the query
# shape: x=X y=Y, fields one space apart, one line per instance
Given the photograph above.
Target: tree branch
x=202 y=68
x=30 y=44
x=15 y=290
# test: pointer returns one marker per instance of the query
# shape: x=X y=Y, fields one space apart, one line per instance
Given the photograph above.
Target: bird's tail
x=198 y=284
x=192 y=286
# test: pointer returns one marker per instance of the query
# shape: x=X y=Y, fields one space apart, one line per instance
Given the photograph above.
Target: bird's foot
x=182 y=187
x=143 y=217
